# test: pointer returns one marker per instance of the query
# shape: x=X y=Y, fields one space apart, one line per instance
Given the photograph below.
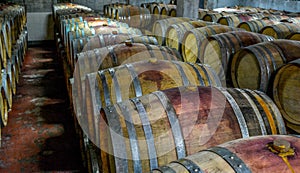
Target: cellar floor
x=40 y=135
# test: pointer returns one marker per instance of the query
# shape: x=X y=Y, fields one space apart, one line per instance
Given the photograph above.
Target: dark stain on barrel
x=152 y=75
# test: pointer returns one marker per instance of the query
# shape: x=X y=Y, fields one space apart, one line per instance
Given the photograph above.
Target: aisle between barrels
x=40 y=134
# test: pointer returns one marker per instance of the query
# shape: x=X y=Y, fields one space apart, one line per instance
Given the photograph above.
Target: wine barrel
x=216 y=51
x=212 y=17
x=168 y=10
x=105 y=10
x=71 y=35
x=295 y=20
x=250 y=9
x=2 y=50
x=65 y=25
x=116 y=30
x=294 y=36
x=92 y=22
x=5 y=41
x=69 y=22
x=108 y=9
x=160 y=27
x=234 y=20
x=202 y=13
x=281 y=30
x=98 y=30
x=272 y=153
x=111 y=56
x=103 y=40
x=149 y=78
x=16 y=64
x=173 y=12
x=3 y=108
x=134 y=16
x=157 y=8
x=253 y=66
x=175 y=32
x=10 y=69
x=171 y=124
x=114 y=8
x=6 y=31
x=15 y=28
x=150 y=6
x=73 y=27
x=255 y=25
x=276 y=18
x=193 y=39
x=6 y=84
x=285 y=92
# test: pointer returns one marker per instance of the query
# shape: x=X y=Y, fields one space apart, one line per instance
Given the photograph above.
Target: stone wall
x=45 y=5
x=287 y=5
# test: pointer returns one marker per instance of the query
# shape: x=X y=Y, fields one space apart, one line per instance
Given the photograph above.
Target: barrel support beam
x=187 y=8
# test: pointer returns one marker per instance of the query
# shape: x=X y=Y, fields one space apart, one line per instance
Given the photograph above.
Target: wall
x=40 y=26
x=45 y=5
x=211 y=4
x=36 y=5
x=98 y=4
x=287 y=5
x=39 y=19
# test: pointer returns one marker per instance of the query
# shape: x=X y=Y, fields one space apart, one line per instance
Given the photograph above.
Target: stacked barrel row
x=232 y=49
x=170 y=32
x=86 y=31
x=142 y=106
x=263 y=72
x=66 y=14
x=13 y=46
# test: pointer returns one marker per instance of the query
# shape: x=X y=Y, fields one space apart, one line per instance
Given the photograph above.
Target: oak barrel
x=89 y=22
x=216 y=51
x=160 y=27
x=272 y=153
x=212 y=17
x=254 y=66
x=5 y=41
x=157 y=8
x=202 y=13
x=193 y=39
x=7 y=37
x=2 y=50
x=295 y=20
x=103 y=40
x=3 y=108
x=151 y=76
x=285 y=92
x=134 y=16
x=175 y=32
x=280 y=30
x=140 y=134
x=168 y=10
x=294 y=36
x=112 y=9
x=99 y=30
x=276 y=18
x=255 y=25
x=234 y=20
x=115 y=55
x=7 y=88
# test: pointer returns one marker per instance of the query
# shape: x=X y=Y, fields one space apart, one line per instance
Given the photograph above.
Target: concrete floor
x=40 y=134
